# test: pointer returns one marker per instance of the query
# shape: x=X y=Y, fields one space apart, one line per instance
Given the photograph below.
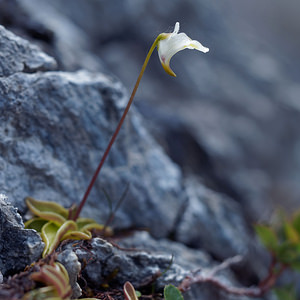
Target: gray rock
x=19 y=247
x=55 y=127
x=139 y=258
x=213 y=222
x=73 y=266
x=105 y=263
x=18 y=55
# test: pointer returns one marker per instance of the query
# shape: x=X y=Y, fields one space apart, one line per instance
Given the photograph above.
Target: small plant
x=56 y=223
x=56 y=280
x=170 y=292
x=52 y=223
x=168 y=44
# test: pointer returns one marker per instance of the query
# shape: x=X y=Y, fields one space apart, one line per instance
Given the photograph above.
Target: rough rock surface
x=210 y=220
x=18 y=55
x=140 y=254
x=73 y=267
x=55 y=128
x=19 y=247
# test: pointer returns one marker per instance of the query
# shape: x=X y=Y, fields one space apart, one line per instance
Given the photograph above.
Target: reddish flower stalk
x=116 y=132
x=168 y=44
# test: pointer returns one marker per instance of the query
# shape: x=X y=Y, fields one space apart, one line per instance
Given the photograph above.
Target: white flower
x=171 y=43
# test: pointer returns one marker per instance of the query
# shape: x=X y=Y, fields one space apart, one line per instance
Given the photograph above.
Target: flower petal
x=174 y=43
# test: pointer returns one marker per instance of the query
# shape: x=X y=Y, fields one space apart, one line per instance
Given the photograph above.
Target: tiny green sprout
x=168 y=44
x=56 y=280
x=172 y=293
x=52 y=223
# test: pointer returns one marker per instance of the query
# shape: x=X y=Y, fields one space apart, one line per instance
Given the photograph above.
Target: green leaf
x=267 y=236
x=85 y=224
x=48 y=235
x=138 y=294
x=36 y=224
x=50 y=211
x=77 y=235
x=285 y=293
x=288 y=253
x=296 y=222
x=44 y=293
x=52 y=234
x=291 y=234
x=295 y=265
x=172 y=293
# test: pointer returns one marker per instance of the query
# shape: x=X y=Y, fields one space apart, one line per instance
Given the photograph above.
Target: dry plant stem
x=255 y=291
x=114 y=136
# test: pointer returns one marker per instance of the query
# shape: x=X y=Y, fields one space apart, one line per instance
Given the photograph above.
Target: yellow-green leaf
x=77 y=235
x=296 y=222
x=82 y=222
x=44 y=293
x=85 y=224
x=52 y=234
x=267 y=236
x=291 y=234
x=36 y=224
x=48 y=235
x=50 y=211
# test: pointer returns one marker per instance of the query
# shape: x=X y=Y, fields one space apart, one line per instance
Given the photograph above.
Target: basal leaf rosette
x=51 y=221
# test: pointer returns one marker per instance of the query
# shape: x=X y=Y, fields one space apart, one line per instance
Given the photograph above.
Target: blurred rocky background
x=229 y=121
x=230 y=117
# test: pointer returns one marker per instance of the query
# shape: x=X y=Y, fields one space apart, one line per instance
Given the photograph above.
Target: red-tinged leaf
x=129 y=291
x=47 y=292
x=55 y=276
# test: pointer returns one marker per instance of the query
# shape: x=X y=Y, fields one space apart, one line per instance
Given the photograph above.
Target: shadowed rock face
x=18 y=55
x=55 y=128
x=19 y=247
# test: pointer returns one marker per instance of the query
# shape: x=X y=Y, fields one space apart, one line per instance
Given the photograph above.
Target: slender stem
x=254 y=291
x=114 y=136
